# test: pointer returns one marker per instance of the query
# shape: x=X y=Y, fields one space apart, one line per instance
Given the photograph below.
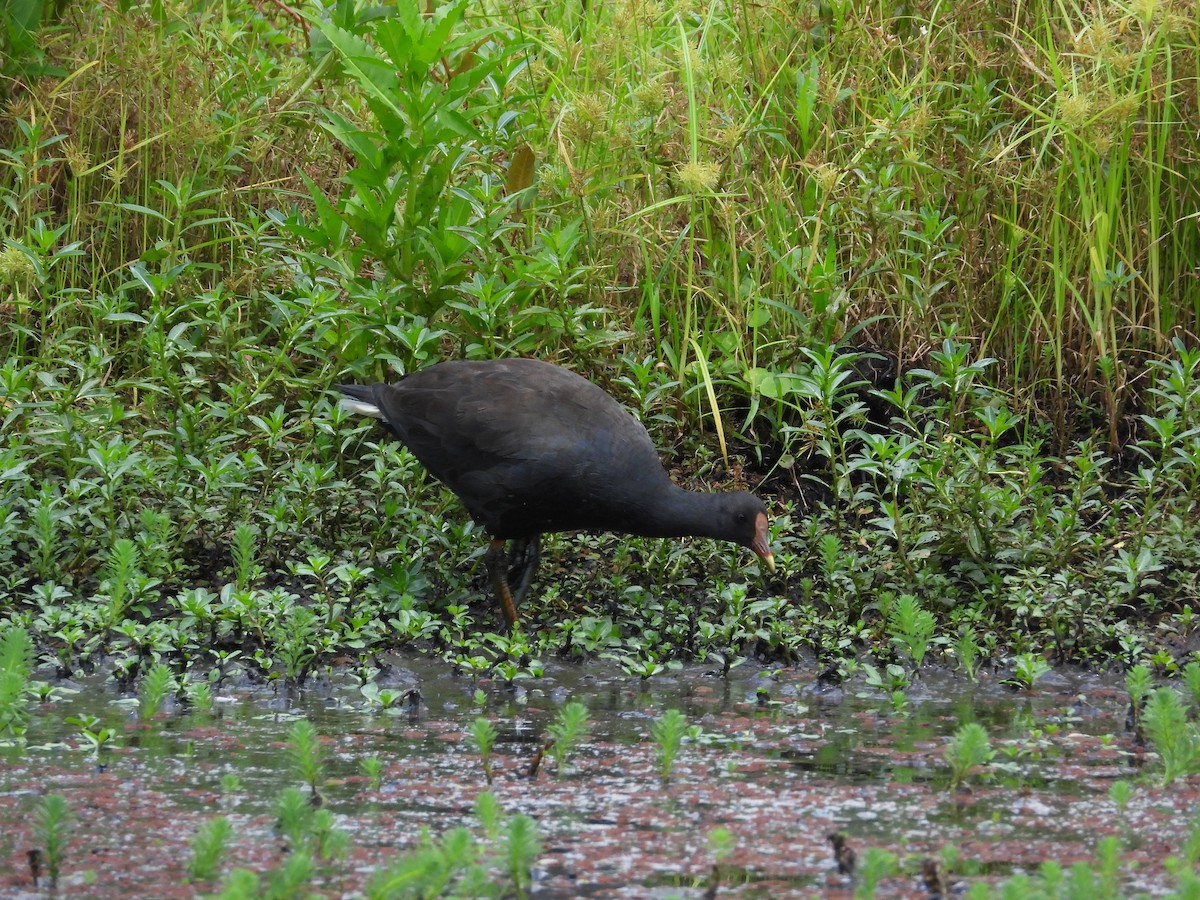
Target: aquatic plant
x=307 y=755
x=966 y=651
x=483 y=732
x=293 y=815
x=291 y=878
x=386 y=699
x=1191 y=683
x=1121 y=792
x=876 y=865
x=458 y=864
x=1174 y=738
x=893 y=678
x=51 y=820
x=521 y=848
x=566 y=732
x=968 y=749
x=208 y=849
x=1027 y=669
x=158 y=683
x=490 y=814
x=911 y=627
x=668 y=732
x=94 y=734
x=199 y=695
x=372 y=768
x=16 y=660
x=119 y=572
x=1139 y=682
x=243 y=548
x=308 y=826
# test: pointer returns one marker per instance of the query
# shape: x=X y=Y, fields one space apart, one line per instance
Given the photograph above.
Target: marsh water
x=774 y=762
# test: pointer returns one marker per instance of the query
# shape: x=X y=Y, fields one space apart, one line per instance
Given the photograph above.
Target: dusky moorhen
x=530 y=448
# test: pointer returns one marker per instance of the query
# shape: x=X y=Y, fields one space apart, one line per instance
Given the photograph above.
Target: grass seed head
x=651 y=94
x=827 y=177
x=1074 y=109
x=697 y=177
x=1095 y=40
x=77 y=159
x=15 y=266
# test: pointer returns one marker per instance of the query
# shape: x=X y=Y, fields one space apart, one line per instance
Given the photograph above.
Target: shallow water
x=779 y=761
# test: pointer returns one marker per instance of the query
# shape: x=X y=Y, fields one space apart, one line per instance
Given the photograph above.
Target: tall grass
x=746 y=176
x=213 y=212
x=767 y=175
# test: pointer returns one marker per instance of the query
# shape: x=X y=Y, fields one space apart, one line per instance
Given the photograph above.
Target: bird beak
x=761 y=544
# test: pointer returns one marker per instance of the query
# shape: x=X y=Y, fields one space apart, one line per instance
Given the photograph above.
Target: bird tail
x=360 y=400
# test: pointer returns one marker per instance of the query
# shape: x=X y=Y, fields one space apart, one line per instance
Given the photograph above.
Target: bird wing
x=515 y=437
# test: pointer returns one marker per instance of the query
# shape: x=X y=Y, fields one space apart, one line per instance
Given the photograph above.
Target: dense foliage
x=931 y=276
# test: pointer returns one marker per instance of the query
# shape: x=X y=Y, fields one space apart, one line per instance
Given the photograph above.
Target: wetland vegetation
x=923 y=275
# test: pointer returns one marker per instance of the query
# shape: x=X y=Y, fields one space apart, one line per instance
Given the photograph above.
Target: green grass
x=716 y=212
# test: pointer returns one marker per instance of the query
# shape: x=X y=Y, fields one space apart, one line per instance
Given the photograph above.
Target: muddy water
x=776 y=760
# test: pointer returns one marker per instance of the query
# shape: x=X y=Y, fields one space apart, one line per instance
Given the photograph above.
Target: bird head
x=750 y=527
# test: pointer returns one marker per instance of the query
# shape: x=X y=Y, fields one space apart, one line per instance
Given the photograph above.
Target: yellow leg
x=497 y=566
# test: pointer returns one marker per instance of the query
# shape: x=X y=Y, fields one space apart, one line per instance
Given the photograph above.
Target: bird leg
x=524 y=558
x=497 y=566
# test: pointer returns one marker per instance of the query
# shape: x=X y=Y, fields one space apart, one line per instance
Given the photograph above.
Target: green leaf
x=374 y=75
x=431 y=44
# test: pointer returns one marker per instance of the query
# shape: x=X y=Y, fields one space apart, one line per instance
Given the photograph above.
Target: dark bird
x=531 y=448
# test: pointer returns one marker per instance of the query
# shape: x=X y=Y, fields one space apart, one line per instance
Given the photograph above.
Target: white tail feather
x=361 y=408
